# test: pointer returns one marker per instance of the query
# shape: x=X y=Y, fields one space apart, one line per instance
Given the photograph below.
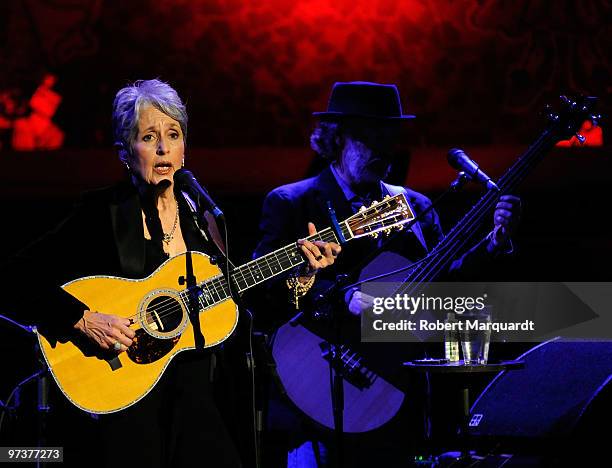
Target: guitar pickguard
x=146 y=349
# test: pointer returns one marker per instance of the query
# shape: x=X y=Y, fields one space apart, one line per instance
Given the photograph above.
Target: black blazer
x=288 y=209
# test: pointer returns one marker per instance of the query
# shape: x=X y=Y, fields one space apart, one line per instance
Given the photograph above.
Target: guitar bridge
x=349 y=364
x=114 y=363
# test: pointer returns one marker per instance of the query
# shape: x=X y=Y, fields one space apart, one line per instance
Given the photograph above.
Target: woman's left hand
x=318 y=253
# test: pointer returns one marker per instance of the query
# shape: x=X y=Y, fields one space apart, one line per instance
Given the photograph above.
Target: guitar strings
x=534 y=154
x=514 y=176
x=171 y=305
x=524 y=164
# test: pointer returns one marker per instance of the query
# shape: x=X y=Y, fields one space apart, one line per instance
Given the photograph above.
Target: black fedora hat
x=364 y=99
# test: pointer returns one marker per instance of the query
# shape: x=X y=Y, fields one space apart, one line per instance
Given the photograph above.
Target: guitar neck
x=275 y=263
x=215 y=290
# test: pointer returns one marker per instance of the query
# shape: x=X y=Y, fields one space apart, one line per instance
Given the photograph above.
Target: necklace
x=168 y=237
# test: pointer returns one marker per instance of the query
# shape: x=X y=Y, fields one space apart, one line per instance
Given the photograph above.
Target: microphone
x=185 y=180
x=461 y=161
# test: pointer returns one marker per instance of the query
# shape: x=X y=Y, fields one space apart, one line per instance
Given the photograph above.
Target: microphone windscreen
x=182 y=177
x=453 y=157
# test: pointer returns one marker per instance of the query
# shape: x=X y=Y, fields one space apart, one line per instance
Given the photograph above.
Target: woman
x=128 y=230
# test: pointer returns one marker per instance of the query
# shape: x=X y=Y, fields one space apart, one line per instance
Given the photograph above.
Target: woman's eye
x=174 y=135
x=148 y=137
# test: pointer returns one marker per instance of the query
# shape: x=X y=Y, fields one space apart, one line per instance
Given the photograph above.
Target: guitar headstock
x=386 y=215
x=569 y=119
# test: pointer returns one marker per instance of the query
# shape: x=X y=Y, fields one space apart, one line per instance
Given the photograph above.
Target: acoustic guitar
x=159 y=307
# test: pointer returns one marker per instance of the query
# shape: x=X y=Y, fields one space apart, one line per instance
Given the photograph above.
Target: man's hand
x=318 y=253
x=106 y=330
x=506 y=219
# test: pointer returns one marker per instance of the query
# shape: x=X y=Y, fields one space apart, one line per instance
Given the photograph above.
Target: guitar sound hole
x=163 y=315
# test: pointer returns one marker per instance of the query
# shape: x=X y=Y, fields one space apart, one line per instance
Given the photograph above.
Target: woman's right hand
x=106 y=330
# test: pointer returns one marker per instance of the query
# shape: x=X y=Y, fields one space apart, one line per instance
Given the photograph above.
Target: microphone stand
x=42 y=384
x=190 y=280
x=337 y=371
x=226 y=267
x=191 y=286
x=335 y=295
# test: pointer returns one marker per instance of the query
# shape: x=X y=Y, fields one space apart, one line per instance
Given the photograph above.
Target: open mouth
x=162 y=167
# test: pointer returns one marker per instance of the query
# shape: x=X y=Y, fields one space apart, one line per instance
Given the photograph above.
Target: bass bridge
x=349 y=364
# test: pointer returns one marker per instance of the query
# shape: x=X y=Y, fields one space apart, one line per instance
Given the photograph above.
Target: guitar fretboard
x=216 y=289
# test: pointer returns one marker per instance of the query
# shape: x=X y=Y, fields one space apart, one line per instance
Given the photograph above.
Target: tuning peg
x=399 y=227
x=373 y=203
x=374 y=235
x=387 y=231
x=386 y=197
x=550 y=114
x=567 y=101
x=363 y=208
x=580 y=138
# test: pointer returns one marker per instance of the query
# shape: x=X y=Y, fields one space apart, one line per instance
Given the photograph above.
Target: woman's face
x=159 y=147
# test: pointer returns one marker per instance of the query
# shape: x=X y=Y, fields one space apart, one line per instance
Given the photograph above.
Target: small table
x=459 y=368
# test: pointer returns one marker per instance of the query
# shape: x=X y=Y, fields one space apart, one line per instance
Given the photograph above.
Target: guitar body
x=304 y=368
x=106 y=382
x=369 y=400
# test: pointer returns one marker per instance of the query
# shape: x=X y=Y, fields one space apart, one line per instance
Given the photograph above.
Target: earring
x=183 y=163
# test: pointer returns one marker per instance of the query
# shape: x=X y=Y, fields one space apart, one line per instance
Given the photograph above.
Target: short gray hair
x=130 y=101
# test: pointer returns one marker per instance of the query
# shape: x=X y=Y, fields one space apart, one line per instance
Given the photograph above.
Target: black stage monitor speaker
x=561 y=385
